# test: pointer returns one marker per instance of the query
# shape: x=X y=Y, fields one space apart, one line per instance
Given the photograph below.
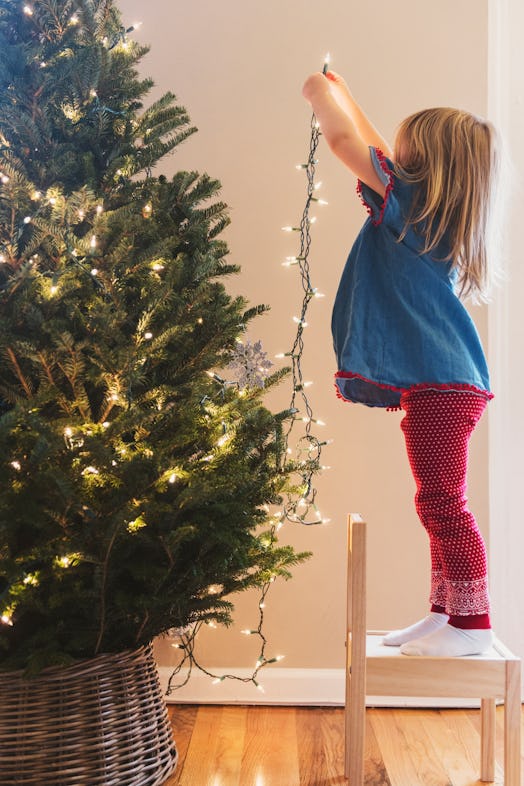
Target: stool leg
x=512 y=724
x=355 y=715
x=487 y=739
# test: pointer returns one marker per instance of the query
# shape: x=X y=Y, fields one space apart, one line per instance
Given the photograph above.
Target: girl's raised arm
x=345 y=127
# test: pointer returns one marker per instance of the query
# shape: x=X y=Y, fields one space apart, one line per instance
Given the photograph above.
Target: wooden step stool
x=374 y=669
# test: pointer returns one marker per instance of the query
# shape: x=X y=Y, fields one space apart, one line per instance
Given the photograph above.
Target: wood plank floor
x=303 y=746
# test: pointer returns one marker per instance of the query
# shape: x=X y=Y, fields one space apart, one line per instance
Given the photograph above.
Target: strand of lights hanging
x=302 y=507
x=185 y=640
x=299 y=508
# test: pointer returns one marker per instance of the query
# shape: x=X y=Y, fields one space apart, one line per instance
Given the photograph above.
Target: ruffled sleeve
x=373 y=202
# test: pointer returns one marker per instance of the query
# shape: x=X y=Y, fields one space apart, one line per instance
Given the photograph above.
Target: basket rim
x=80 y=666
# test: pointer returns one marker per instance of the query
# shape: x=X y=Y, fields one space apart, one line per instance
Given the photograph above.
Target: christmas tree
x=136 y=477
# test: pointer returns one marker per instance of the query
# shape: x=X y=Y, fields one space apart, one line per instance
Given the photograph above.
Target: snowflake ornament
x=251 y=364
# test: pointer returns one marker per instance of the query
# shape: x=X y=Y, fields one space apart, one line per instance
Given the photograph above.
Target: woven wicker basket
x=100 y=722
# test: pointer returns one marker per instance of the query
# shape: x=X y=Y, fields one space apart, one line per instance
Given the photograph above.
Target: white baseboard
x=307 y=687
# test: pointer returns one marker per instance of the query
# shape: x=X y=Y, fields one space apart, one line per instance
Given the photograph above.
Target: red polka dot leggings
x=437 y=426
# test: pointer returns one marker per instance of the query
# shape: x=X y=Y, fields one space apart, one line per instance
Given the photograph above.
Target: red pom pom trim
x=457 y=387
x=387 y=171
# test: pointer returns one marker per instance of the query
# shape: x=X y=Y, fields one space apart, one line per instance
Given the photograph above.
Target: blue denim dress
x=397 y=323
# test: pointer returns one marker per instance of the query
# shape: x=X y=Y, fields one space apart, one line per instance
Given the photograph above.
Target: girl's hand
x=337 y=80
x=339 y=88
x=314 y=85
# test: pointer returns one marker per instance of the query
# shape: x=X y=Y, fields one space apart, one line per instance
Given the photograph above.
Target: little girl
x=404 y=340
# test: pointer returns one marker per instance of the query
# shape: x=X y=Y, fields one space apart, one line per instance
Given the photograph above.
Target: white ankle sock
x=450 y=642
x=432 y=622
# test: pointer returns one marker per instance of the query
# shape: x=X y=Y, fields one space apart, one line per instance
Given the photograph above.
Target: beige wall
x=238 y=67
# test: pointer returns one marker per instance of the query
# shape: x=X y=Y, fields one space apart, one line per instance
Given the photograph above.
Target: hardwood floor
x=303 y=746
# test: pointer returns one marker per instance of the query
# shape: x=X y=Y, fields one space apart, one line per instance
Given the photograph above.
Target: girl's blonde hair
x=451 y=157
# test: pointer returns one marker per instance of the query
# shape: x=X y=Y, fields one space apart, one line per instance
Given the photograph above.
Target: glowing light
x=27 y=220
x=66 y=560
x=28 y=10
x=16 y=465
x=300 y=321
x=94 y=271
x=136 y=524
x=148 y=335
x=214 y=589
x=6 y=619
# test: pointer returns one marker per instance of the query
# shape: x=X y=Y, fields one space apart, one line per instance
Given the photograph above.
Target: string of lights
x=302 y=508
x=298 y=508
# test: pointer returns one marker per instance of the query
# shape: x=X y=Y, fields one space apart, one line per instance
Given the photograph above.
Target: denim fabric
x=397 y=323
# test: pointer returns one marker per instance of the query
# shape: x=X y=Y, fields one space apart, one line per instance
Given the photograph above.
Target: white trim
x=506 y=425
x=300 y=687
